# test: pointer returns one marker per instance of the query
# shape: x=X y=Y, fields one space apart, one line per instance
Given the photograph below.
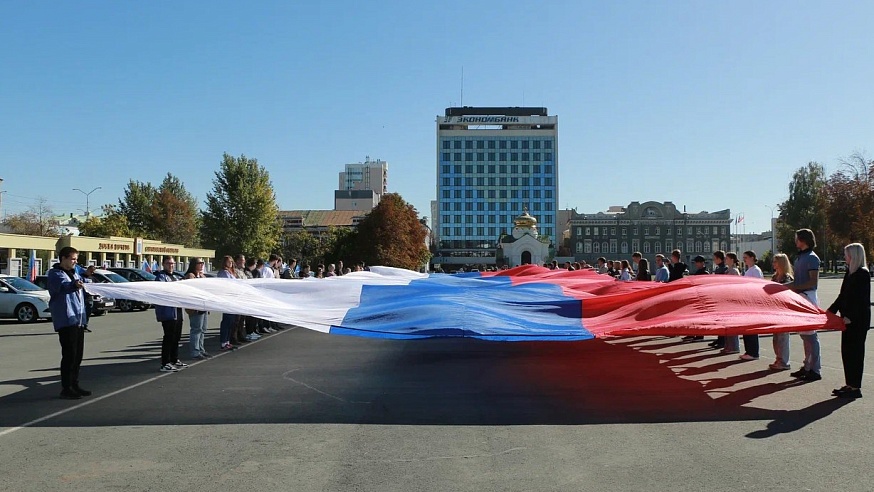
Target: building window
x=697 y=246
x=447 y=144
x=612 y=231
x=491 y=144
x=468 y=156
x=480 y=181
x=536 y=181
x=526 y=169
x=468 y=193
x=596 y=247
x=613 y=245
x=492 y=219
x=514 y=193
x=547 y=181
x=524 y=193
x=697 y=231
x=514 y=144
x=502 y=144
x=480 y=144
x=646 y=247
x=706 y=246
x=547 y=156
x=514 y=181
x=635 y=244
x=723 y=233
x=624 y=247
x=480 y=156
x=724 y=246
x=689 y=245
x=646 y=230
x=535 y=144
x=596 y=231
x=468 y=206
x=502 y=156
x=624 y=231
x=491 y=156
x=579 y=247
x=658 y=231
x=588 y=231
x=669 y=246
x=635 y=231
x=447 y=194
x=547 y=193
x=525 y=156
x=514 y=169
x=668 y=231
x=536 y=193
x=514 y=156
x=547 y=169
x=491 y=169
x=503 y=194
x=480 y=205
x=536 y=168
x=658 y=247
x=604 y=247
x=492 y=194
x=503 y=181
x=536 y=156
x=457 y=144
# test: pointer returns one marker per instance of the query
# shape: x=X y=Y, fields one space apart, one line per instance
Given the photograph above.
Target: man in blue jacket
x=171 y=321
x=67 y=304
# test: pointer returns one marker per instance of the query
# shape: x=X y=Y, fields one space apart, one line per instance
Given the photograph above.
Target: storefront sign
x=161 y=249
x=113 y=247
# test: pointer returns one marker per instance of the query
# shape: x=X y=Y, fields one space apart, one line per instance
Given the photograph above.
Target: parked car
x=99 y=305
x=23 y=300
x=133 y=274
x=126 y=305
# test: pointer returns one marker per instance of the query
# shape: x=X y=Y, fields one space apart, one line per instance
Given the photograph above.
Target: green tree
x=174 y=214
x=391 y=235
x=111 y=223
x=301 y=245
x=136 y=205
x=804 y=208
x=241 y=214
x=850 y=202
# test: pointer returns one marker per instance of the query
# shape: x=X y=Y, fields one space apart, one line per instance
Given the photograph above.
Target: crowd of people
x=853 y=304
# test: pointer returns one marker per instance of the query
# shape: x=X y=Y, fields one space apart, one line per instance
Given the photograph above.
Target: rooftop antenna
x=462 y=86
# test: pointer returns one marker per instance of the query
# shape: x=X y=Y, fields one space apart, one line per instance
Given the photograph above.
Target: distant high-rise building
x=493 y=164
x=361 y=185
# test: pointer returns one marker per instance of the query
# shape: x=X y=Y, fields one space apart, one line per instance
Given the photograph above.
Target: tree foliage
x=111 y=223
x=851 y=202
x=390 y=235
x=328 y=247
x=174 y=214
x=37 y=220
x=136 y=205
x=805 y=207
x=241 y=214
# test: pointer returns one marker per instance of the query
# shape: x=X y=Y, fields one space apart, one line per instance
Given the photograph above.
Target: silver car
x=23 y=300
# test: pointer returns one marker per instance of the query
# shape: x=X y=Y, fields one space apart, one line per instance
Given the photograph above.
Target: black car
x=106 y=276
x=133 y=274
x=99 y=305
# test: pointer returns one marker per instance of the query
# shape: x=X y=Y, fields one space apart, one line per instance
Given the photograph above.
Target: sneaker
x=799 y=373
x=812 y=376
x=69 y=394
x=168 y=368
x=179 y=364
x=748 y=357
x=228 y=346
x=198 y=357
x=205 y=354
x=252 y=337
x=779 y=366
x=729 y=351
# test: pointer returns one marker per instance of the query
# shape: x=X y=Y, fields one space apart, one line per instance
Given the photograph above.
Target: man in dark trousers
x=67 y=304
x=171 y=322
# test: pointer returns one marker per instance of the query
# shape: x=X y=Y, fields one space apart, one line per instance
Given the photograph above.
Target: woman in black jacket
x=854 y=305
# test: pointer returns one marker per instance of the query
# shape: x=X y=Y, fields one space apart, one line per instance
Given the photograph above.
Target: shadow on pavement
x=306 y=377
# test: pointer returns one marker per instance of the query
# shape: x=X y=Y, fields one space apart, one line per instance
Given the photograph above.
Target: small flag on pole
x=31 y=266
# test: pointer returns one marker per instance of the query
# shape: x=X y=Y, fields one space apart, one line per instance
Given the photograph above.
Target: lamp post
x=773 y=232
x=87 y=202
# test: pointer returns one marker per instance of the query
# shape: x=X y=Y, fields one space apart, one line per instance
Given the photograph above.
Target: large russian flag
x=525 y=303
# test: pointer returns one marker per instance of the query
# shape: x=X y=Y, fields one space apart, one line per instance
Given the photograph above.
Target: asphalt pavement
x=301 y=410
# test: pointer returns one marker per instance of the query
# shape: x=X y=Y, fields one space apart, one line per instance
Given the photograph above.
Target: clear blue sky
x=708 y=105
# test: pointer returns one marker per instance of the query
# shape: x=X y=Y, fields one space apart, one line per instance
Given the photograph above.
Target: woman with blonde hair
x=196 y=319
x=854 y=305
x=782 y=275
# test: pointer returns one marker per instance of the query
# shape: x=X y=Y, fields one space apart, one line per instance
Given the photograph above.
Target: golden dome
x=525 y=220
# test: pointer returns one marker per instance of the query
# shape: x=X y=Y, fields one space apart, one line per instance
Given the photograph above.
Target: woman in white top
x=626 y=275
x=732 y=342
x=782 y=275
x=751 y=342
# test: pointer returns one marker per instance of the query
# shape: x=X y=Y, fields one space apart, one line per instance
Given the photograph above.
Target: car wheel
x=26 y=313
x=125 y=305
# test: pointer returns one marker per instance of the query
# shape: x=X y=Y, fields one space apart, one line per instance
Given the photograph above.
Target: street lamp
x=773 y=231
x=87 y=202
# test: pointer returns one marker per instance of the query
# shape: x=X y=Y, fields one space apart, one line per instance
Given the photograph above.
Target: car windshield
x=146 y=275
x=113 y=277
x=21 y=284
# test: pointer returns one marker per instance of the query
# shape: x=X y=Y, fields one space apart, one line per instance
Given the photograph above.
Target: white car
x=23 y=300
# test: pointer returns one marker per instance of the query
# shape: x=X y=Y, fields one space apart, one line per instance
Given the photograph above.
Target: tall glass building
x=492 y=164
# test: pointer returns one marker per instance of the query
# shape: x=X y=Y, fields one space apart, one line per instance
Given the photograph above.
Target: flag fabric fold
x=524 y=303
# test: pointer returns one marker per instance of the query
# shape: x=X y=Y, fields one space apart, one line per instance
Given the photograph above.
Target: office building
x=361 y=185
x=493 y=163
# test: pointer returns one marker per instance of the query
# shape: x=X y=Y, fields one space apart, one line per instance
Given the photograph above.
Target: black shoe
x=800 y=374
x=81 y=390
x=812 y=376
x=851 y=394
x=86 y=329
x=843 y=389
x=68 y=394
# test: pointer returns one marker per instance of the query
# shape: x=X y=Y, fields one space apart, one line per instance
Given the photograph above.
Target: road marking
x=91 y=401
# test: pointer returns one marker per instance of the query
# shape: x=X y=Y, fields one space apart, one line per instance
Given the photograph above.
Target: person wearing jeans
x=782 y=275
x=196 y=319
x=229 y=321
x=806 y=281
